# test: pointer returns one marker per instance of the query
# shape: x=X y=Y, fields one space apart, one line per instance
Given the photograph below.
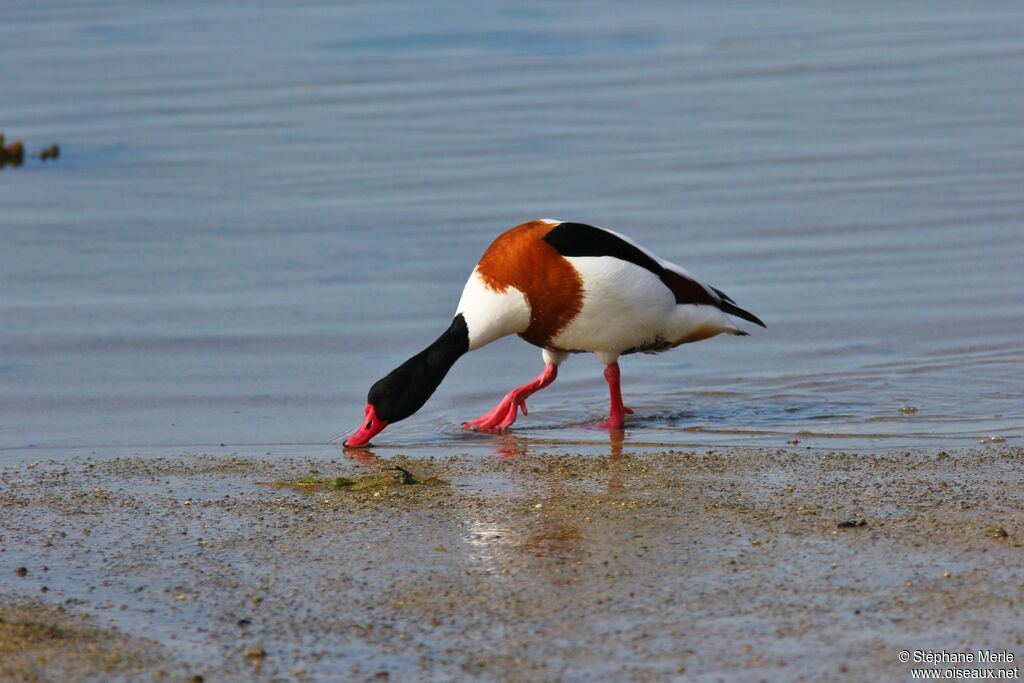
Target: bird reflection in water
x=551 y=537
x=364 y=456
x=510 y=447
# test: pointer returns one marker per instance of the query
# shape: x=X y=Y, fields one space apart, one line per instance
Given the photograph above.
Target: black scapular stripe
x=577 y=239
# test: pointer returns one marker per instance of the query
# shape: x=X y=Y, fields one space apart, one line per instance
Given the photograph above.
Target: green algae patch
x=393 y=477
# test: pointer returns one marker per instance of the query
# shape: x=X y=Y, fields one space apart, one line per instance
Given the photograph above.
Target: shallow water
x=259 y=210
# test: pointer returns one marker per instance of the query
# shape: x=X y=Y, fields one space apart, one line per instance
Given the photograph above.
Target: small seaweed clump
x=13 y=154
x=51 y=152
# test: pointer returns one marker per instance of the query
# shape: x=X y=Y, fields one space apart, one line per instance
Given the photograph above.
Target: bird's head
x=406 y=388
x=392 y=398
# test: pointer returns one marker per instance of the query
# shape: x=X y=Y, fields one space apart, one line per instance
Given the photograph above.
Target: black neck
x=407 y=387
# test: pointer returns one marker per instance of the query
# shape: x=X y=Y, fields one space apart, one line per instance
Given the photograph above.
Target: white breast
x=490 y=315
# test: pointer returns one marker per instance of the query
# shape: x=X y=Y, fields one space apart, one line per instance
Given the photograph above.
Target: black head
x=406 y=388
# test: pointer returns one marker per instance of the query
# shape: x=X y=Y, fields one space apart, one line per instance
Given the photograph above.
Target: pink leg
x=504 y=414
x=617 y=413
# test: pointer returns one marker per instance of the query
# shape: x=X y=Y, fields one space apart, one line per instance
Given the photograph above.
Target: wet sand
x=703 y=565
x=41 y=643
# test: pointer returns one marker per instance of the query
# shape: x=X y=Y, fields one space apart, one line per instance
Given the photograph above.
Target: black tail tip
x=733 y=309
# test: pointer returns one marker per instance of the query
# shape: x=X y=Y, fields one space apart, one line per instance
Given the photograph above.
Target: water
x=260 y=209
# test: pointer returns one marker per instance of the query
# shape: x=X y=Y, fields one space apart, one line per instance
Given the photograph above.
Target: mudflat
x=696 y=565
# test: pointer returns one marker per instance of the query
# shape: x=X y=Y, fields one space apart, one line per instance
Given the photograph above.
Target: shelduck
x=567 y=288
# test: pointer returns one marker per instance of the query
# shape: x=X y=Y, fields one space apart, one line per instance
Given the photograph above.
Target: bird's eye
x=369 y=424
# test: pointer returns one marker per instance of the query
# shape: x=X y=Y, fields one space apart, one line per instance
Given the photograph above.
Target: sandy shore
x=708 y=565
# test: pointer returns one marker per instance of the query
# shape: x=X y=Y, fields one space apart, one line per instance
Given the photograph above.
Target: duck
x=567 y=288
